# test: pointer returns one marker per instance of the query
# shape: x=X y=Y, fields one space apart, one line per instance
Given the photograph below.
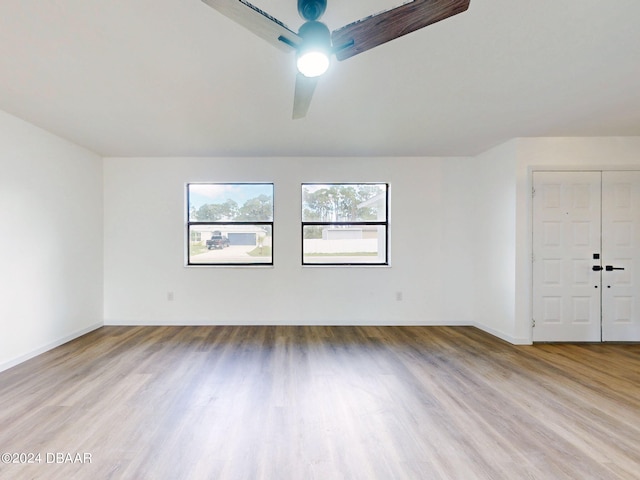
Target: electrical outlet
x=170 y=296
x=399 y=296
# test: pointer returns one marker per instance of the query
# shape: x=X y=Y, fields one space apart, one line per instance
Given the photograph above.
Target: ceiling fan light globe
x=313 y=63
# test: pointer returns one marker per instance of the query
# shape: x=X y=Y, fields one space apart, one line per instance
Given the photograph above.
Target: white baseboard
x=507 y=338
x=332 y=323
x=34 y=353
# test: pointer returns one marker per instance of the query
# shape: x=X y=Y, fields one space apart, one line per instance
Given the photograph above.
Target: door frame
x=529 y=208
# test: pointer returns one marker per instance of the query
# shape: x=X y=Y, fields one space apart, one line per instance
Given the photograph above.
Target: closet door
x=620 y=256
x=566 y=240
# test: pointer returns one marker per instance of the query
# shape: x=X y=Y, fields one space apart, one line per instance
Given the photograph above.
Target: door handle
x=610 y=268
x=597 y=268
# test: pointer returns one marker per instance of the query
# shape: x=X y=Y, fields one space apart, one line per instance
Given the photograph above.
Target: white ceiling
x=175 y=78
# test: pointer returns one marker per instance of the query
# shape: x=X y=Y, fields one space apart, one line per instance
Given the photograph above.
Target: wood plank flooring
x=326 y=403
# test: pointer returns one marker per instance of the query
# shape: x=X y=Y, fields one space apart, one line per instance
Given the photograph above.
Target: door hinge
x=533 y=192
x=533 y=323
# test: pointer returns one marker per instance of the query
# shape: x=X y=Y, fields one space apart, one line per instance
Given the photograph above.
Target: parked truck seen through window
x=217 y=240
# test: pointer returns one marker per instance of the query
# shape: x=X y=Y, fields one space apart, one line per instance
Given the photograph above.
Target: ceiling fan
x=314 y=43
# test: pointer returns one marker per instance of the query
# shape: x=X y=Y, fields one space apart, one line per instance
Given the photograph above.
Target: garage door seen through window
x=230 y=223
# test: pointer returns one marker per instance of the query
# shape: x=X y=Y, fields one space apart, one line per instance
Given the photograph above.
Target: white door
x=566 y=237
x=586 y=240
x=621 y=256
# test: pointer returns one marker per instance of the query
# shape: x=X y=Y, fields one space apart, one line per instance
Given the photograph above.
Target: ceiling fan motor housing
x=311 y=9
x=315 y=35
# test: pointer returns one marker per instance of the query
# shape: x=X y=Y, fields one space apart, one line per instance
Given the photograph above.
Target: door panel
x=621 y=249
x=566 y=235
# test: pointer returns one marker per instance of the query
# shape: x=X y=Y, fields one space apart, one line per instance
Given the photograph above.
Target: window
x=230 y=223
x=345 y=224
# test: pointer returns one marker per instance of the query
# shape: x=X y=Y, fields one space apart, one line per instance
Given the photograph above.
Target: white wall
x=494 y=233
x=51 y=243
x=460 y=232
x=430 y=220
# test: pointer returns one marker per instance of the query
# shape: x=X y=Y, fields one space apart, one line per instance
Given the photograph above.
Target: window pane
x=344 y=244
x=347 y=202
x=222 y=244
x=227 y=202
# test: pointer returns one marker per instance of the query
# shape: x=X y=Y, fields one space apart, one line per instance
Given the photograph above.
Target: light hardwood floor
x=324 y=403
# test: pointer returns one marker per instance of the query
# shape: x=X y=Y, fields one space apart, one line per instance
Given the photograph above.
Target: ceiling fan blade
x=257 y=21
x=383 y=27
x=305 y=87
